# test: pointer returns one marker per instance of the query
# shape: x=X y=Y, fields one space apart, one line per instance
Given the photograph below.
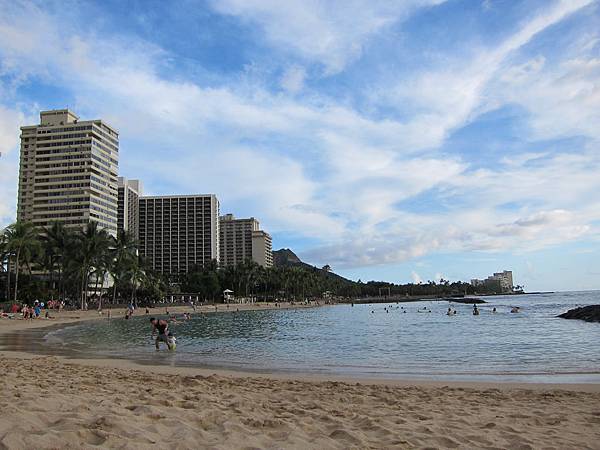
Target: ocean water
x=366 y=341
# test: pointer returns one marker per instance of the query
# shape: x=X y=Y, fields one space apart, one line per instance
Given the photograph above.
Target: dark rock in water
x=588 y=313
x=467 y=301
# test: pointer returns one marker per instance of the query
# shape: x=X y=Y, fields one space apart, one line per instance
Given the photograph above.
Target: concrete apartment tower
x=128 y=206
x=262 y=248
x=499 y=281
x=178 y=232
x=242 y=239
x=68 y=172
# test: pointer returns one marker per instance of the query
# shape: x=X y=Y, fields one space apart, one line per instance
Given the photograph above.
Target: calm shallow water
x=533 y=345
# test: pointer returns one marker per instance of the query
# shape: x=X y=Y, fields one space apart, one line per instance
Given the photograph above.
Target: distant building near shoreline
x=241 y=240
x=498 y=282
x=128 y=206
x=68 y=172
x=178 y=232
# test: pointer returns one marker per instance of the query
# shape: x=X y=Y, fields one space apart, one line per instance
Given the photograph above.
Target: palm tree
x=93 y=243
x=55 y=243
x=250 y=270
x=4 y=266
x=137 y=276
x=22 y=243
x=102 y=265
x=124 y=255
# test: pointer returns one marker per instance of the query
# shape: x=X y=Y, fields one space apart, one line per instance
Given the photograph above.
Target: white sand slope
x=46 y=403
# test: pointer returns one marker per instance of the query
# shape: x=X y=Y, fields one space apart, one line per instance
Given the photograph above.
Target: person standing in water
x=162 y=326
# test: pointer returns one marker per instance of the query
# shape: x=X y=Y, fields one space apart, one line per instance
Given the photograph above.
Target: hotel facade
x=178 y=232
x=499 y=282
x=68 y=172
x=242 y=240
x=128 y=206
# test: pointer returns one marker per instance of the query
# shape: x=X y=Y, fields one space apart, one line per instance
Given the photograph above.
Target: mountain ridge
x=285 y=257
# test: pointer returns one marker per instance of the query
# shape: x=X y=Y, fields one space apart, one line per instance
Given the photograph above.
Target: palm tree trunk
x=85 y=290
x=17 y=274
x=100 y=297
x=8 y=279
x=96 y=285
x=60 y=284
x=83 y=280
x=114 y=290
x=51 y=278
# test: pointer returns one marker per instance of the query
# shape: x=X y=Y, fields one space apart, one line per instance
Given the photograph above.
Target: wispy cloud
x=329 y=32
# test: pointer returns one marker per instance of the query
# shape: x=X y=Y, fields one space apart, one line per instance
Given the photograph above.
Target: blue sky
x=401 y=140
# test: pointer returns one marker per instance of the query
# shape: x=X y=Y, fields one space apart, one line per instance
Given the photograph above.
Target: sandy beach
x=50 y=403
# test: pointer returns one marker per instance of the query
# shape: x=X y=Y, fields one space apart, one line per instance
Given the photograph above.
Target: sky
x=398 y=140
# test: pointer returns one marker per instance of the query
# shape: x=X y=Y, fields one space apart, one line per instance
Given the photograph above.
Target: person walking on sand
x=162 y=326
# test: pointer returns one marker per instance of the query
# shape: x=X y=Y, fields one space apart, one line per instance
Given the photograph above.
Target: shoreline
x=20 y=329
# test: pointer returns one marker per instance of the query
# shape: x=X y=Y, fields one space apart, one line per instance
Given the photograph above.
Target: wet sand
x=51 y=402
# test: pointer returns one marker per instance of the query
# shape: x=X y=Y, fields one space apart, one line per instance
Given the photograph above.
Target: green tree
x=93 y=243
x=56 y=241
x=124 y=257
x=137 y=277
x=4 y=268
x=23 y=245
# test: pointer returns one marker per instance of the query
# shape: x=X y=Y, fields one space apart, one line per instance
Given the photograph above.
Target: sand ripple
x=49 y=404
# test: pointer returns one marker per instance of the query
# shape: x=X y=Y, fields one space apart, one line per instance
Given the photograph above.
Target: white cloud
x=330 y=32
x=455 y=93
x=416 y=278
x=10 y=120
x=558 y=198
x=293 y=79
x=562 y=100
x=246 y=176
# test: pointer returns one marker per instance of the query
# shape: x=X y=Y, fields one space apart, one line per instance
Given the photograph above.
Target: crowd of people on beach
x=29 y=312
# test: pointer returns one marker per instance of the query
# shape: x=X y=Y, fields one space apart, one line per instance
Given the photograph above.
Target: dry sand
x=48 y=402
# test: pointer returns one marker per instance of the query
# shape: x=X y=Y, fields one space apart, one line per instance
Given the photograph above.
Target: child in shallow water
x=171 y=341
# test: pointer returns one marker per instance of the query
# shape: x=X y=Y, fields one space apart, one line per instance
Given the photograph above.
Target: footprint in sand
x=343 y=435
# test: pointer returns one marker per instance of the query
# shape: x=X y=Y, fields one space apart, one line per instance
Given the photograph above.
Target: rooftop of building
x=164 y=197
x=231 y=217
x=61 y=117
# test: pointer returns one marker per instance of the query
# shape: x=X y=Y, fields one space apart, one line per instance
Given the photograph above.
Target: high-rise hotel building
x=262 y=248
x=68 y=172
x=242 y=239
x=179 y=232
x=128 y=206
